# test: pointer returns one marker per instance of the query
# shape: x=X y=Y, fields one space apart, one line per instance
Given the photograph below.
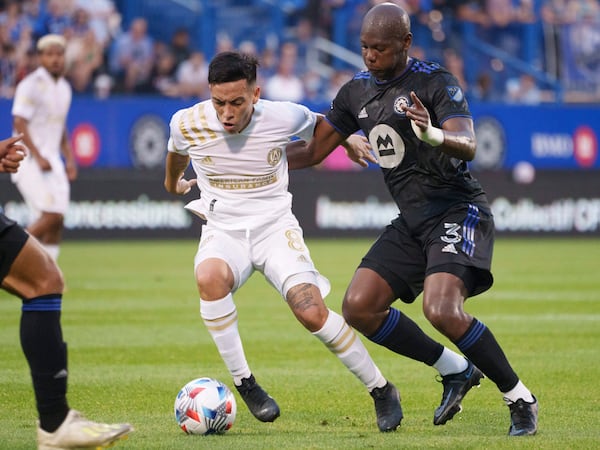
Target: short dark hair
x=232 y=66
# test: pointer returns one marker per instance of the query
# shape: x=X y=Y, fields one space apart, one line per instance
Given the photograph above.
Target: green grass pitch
x=131 y=319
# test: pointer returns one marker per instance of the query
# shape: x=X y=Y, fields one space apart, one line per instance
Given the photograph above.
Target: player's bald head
x=387 y=19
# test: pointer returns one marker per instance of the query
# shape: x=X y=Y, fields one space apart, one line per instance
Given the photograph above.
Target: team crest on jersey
x=455 y=93
x=274 y=156
x=399 y=103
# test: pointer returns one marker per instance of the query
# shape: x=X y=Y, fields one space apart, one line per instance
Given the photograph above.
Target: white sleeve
x=24 y=104
x=305 y=121
x=177 y=143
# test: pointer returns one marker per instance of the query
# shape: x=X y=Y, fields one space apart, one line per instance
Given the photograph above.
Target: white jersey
x=242 y=177
x=44 y=102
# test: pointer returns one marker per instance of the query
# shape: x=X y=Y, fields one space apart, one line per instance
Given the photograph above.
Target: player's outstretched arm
x=11 y=154
x=174 y=170
x=301 y=154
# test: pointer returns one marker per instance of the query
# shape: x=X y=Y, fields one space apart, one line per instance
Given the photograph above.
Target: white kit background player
x=236 y=143
x=40 y=108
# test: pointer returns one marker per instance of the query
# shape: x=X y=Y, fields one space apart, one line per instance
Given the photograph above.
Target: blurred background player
x=40 y=108
x=28 y=272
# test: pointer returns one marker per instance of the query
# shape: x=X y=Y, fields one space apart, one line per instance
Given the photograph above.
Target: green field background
x=131 y=320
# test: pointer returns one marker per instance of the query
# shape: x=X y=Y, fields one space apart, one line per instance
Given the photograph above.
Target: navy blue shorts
x=12 y=241
x=460 y=242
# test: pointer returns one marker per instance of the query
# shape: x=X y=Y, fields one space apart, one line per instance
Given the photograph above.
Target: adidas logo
x=207 y=161
x=363 y=114
x=61 y=374
x=302 y=258
x=450 y=248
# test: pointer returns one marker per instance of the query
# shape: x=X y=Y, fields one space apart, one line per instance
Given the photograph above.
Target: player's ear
x=256 y=95
x=407 y=41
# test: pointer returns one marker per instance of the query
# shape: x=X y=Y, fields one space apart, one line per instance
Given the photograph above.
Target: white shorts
x=43 y=191
x=278 y=251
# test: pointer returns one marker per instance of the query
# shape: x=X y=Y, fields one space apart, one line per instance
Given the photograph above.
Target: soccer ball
x=205 y=406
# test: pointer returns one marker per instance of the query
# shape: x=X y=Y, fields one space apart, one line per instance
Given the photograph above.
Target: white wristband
x=433 y=136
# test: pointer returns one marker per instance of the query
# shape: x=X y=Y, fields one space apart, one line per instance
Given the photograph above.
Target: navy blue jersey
x=423 y=181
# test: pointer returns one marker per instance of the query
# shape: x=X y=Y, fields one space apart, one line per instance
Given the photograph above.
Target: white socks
x=450 y=362
x=220 y=318
x=519 y=391
x=337 y=335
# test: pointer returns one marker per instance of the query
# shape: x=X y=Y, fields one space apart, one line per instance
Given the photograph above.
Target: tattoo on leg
x=300 y=298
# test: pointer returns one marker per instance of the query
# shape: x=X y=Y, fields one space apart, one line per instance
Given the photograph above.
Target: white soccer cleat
x=78 y=432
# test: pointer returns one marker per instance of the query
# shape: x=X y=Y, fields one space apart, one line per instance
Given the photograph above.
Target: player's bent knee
x=443 y=315
x=356 y=317
x=214 y=279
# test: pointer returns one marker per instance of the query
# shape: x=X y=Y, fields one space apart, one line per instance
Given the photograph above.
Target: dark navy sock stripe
x=45 y=303
x=387 y=327
x=471 y=336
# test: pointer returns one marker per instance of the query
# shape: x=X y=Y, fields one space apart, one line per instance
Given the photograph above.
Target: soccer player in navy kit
x=418 y=123
x=29 y=272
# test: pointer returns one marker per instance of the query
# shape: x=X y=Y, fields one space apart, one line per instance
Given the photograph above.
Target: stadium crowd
x=110 y=54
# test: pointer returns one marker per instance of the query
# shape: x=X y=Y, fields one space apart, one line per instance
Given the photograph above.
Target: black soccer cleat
x=387 y=407
x=523 y=418
x=456 y=386
x=260 y=404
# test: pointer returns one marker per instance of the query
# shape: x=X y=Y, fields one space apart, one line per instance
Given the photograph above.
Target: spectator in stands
x=338 y=79
x=13 y=20
x=18 y=48
x=268 y=65
x=56 y=19
x=524 y=90
x=132 y=57
x=105 y=20
x=180 y=45
x=320 y=13
x=557 y=13
x=192 y=76
x=286 y=84
x=248 y=47
x=163 y=73
x=28 y=63
x=224 y=43
x=313 y=88
x=303 y=37
x=8 y=64
x=455 y=64
x=84 y=57
x=483 y=90
x=469 y=11
x=80 y=24
x=34 y=10
x=503 y=13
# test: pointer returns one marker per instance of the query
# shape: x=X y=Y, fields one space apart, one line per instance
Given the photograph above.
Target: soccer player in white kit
x=40 y=107
x=236 y=143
